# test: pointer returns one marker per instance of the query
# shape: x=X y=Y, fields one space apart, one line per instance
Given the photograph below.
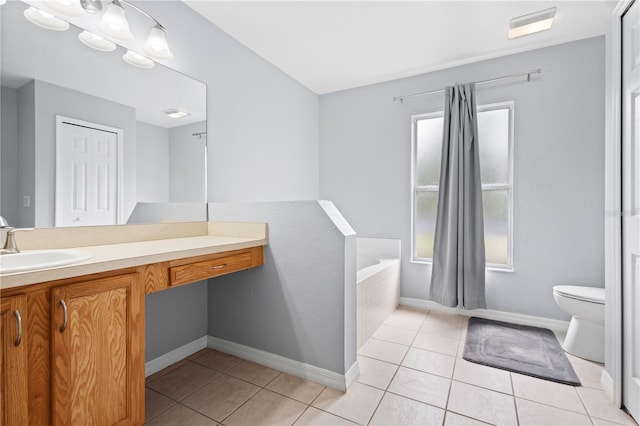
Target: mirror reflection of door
x=86 y=173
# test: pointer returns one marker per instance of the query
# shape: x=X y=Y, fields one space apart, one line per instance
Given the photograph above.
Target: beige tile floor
x=411 y=373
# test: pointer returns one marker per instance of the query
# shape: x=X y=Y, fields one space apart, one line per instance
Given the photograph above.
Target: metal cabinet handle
x=218 y=266
x=19 y=320
x=64 y=311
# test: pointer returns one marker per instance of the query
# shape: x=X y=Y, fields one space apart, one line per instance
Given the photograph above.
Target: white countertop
x=107 y=257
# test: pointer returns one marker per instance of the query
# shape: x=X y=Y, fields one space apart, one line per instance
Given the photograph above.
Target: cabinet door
x=13 y=362
x=98 y=352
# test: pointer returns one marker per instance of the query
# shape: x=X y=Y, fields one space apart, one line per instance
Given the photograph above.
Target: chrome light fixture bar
x=531 y=23
x=113 y=26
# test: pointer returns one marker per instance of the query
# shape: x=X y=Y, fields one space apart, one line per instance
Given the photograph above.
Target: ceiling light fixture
x=113 y=25
x=156 y=46
x=531 y=23
x=44 y=19
x=176 y=113
x=96 y=41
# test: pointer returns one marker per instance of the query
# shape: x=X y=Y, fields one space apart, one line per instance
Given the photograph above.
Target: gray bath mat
x=523 y=349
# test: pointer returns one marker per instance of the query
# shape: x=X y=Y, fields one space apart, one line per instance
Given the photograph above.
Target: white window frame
x=485 y=187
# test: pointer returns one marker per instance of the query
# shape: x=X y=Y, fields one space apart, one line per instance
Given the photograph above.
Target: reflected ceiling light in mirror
x=96 y=41
x=156 y=46
x=114 y=23
x=44 y=19
x=137 y=60
x=176 y=113
x=2 y=2
x=71 y=8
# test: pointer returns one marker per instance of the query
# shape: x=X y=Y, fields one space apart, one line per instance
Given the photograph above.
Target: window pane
x=493 y=135
x=496 y=226
x=425 y=223
x=428 y=150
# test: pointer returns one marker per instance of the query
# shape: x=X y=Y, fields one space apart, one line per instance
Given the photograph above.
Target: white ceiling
x=334 y=45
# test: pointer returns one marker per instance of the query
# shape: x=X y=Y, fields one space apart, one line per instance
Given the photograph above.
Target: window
x=495 y=133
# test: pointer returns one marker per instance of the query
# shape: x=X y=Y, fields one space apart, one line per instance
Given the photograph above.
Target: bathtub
x=378 y=284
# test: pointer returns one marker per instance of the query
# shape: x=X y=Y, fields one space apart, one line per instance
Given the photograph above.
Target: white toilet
x=585 y=337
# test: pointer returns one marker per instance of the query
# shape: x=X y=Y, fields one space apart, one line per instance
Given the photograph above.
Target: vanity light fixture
x=113 y=26
x=137 y=60
x=531 y=23
x=44 y=19
x=176 y=113
x=96 y=41
x=2 y=2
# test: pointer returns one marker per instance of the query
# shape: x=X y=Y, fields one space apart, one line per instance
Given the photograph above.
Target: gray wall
x=174 y=318
x=301 y=304
x=365 y=152
x=26 y=153
x=262 y=124
x=9 y=156
x=152 y=163
x=262 y=129
x=187 y=162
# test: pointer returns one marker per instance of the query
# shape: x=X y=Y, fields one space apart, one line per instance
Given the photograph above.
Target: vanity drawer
x=214 y=265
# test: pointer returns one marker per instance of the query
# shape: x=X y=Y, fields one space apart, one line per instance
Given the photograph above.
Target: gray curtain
x=457 y=277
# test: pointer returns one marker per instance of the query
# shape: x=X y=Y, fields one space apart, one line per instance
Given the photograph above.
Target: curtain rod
x=491 y=80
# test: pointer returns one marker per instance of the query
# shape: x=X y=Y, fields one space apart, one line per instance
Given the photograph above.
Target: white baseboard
x=606 y=382
x=286 y=365
x=553 y=324
x=352 y=374
x=174 y=356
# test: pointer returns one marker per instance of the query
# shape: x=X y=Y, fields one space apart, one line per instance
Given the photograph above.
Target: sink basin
x=40 y=259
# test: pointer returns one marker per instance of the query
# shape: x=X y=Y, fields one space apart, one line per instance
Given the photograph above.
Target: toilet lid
x=589 y=294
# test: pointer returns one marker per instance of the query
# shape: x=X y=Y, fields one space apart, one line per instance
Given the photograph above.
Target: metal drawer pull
x=218 y=266
x=64 y=311
x=19 y=319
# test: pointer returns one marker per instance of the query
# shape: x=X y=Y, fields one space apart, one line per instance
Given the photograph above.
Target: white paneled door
x=86 y=175
x=631 y=208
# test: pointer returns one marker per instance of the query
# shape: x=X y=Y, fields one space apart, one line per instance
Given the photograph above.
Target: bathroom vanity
x=73 y=337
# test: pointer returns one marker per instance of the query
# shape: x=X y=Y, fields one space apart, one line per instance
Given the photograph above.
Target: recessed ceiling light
x=531 y=23
x=176 y=113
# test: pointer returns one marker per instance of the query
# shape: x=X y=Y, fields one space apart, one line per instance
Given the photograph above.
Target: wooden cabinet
x=13 y=362
x=98 y=352
x=81 y=360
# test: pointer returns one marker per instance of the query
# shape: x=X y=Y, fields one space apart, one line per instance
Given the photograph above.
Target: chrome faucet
x=10 y=246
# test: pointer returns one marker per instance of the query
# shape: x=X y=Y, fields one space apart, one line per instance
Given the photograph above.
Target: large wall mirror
x=82 y=129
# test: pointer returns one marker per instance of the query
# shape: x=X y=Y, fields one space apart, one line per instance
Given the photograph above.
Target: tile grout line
x=385 y=390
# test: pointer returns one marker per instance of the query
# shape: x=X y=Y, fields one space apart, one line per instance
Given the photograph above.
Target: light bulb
x=114 y=23
x=156 y=46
